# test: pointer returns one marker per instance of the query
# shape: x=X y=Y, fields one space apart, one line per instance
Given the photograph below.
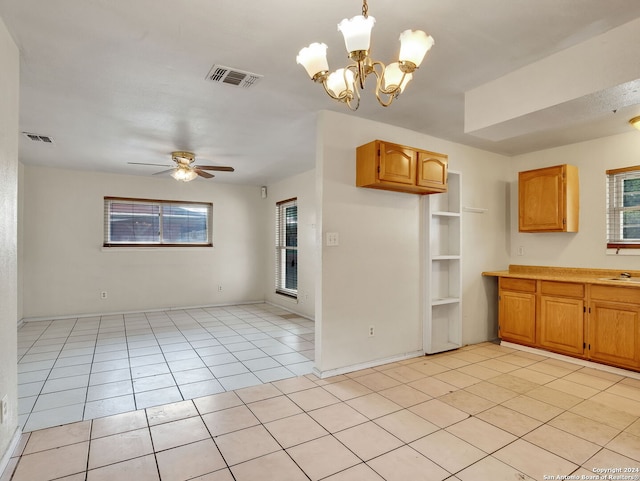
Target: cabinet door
x=561 y=324
x=517 y=317
x=541 y=199
x=432 y=171
x=397 y=164
x=614 y=333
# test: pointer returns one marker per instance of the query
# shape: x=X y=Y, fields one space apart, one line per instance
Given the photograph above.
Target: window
x=287 y=248
x=623 y=208
x=142 y=222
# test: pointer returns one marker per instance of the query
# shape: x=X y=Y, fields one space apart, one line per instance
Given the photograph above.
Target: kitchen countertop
x=569 y=274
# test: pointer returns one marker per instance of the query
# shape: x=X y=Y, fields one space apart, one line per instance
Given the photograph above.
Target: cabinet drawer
x=616 y=294
x=512 y=284
x=562 y=289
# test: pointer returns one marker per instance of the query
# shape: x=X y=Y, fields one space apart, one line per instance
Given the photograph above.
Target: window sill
x=623 y=252
x=153 y=249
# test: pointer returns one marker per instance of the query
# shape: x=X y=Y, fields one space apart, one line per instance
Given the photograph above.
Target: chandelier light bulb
x=414 y=45
x=393 y=77
x=357 y=32
x=314 y=59
x=340 y=82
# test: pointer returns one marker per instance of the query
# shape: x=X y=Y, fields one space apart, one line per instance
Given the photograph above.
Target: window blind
x=286 y=272
x=142 y=222
x=623 y=208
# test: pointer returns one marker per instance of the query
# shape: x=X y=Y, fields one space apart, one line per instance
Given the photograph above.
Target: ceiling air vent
x=38 y=138
x=232 y=76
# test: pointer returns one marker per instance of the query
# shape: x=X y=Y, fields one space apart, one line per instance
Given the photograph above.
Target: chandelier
x=342 y=84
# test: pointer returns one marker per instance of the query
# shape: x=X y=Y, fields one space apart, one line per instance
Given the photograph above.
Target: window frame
x=160 y=203
x=282 y=247
x=616 y=209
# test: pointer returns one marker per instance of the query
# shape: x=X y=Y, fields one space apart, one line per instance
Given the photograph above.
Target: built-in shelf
x=442 y=326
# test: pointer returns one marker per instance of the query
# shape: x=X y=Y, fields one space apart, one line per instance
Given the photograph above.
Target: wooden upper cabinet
x=387 y=166
x=548 y=199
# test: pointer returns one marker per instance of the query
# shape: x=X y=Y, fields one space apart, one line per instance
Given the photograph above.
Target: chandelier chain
x=365 y=9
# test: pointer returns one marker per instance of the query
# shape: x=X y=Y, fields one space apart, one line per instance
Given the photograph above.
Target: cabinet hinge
x=584 y=308
x=584 y=345
x=378 y=169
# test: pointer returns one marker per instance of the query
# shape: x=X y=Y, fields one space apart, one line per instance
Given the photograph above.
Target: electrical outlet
x=220 y=288
x=372 y=331
x=103 y=295
x=4 y=409
x=521 y=251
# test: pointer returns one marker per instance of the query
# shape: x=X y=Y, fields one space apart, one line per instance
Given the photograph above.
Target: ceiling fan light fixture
x=342 y=84
x=184 y=174
x=635 y=122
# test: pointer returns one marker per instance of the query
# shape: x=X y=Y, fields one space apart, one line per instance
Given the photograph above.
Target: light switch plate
x=332 y=239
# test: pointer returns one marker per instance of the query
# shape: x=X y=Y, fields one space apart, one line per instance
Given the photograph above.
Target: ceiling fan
x=185 y=170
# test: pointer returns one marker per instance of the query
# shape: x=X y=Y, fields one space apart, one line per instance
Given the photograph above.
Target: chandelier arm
x=350 y=101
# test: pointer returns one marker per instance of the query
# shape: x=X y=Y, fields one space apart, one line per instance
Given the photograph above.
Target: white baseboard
x=4 y=461
x=365 y=365
x=580 y=362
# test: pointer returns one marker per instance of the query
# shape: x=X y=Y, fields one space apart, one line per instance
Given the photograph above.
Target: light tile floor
x=78 y=369
x=481 y=413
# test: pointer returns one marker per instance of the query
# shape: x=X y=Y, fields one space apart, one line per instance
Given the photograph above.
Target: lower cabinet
x=561 y=321
x=517 y=310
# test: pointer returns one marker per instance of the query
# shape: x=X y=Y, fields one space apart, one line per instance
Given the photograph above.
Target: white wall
x=587 y=247
x=9 y=86
x=66 y=268
x=373 y=277
x=302 y=187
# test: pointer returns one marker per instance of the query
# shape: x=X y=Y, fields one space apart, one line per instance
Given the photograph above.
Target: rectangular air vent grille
x=232 y=76
x=38 y=138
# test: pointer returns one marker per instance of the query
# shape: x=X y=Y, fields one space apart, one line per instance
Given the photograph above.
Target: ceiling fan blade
x=202 y=173
x=219 y=168
x=142 y=163
x=164 y=171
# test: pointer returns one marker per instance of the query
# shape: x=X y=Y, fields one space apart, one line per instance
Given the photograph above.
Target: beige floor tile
x=119 y=447
x=467 y=402
x=489 y=469
x=481 y=434
x=518 y=360
x=322 y=457
x=602 y=374
x=349 y=389
x=607 y=458
x=625 y=390
x=171 y=412
x=359 y=472
x=457 y=378
x=404 y=395
x=53 y=463
x=563 y=444
x=378 y=381
x=228 y=420
x=626 y=444
x=178 y=433
x=550 y=369
x=138 y=469
x=587 y=379
x=217 y=402
x=498 y=365
x=276 y=466
x=439 y=413
x=534 y=461
x=240 y=446
x=361 y=372
x=326 y=380
x=274 y=408
x=552 y=396
x=295 y=430
x=406 y=425
x=220 y=475
x=513 y=383
x=584 y=428
x=405 y=464
x=533 y=408
x=258 y=393
x=634 y=428
x=294 y=384
x=469 y=356
x=479 y=372
x=373 y=405
x=403 y=374
x=603 y=413
x=630 y=382
x=569 y=366
x=59 y=436
x=620 y=403
x=119 y=423
x=429 y=368
x=509 y=420
x=432 y=386
x=189 y=461
x=448 y=451
x=315 y=398
x=491 y=392
x=337 y=417
x=535 y=377
x=368 y=440
x=449 y=361
x=488 y=352
x=74 y=477
x=575 y=389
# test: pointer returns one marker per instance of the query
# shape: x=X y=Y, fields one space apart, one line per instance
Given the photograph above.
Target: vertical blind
x=142 y=222
x=286 y=271
x=623 y=208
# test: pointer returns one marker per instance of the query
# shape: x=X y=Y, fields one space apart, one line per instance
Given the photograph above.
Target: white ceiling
x=117 y=81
